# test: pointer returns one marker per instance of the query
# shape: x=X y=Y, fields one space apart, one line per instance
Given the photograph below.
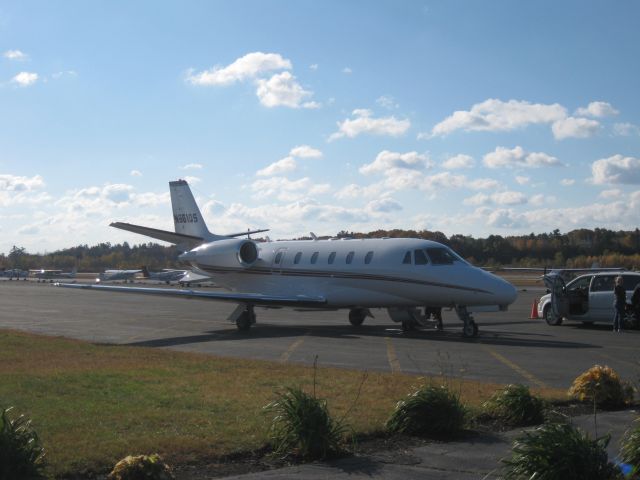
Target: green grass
x=92 y=405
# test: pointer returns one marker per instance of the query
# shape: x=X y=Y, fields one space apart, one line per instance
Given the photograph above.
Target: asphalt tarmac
x=510 y=348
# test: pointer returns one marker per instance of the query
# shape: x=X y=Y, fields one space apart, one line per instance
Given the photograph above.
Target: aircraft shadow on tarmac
x=347 y=332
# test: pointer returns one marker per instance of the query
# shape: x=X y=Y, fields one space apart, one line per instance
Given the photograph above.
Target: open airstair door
x=559 y=298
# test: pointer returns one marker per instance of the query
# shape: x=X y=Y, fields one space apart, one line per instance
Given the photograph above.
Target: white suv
x=587 y=298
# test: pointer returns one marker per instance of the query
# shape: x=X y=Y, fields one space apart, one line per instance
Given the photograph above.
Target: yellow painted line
x=284 y=358
x=394 y=363
x=518 y=369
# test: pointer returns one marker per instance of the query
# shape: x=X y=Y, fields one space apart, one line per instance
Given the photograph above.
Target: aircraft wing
x=233 y=297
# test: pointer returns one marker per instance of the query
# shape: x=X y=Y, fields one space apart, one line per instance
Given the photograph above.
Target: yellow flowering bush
x=141 y=467
x=602 y=385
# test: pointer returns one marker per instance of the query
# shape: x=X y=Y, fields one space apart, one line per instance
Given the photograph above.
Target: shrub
x=303 y=427
x=630 y=451
x=603 y=386
x=21 y=455
x=559 y=451
x=516 y=406
x=141 y=467
x=431 y=411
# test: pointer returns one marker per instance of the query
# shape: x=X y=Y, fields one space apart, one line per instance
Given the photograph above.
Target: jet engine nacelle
x=225 y=253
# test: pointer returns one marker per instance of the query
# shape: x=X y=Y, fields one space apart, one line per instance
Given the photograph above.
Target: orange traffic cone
x=534 y=310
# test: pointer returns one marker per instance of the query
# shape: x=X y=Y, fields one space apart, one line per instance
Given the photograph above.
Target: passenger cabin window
x=421 y=258
x=407 y=258
x=368 y=257
x=441 y=256
x=332 y=257
x=297 y=258
x=350 y=257
x=603 y=283
x=314 y=257
x=278 y=258
x=579 y=284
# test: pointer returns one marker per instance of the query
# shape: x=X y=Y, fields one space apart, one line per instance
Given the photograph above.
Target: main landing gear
x=357 y=316
x=243 y=316
x=470 y=328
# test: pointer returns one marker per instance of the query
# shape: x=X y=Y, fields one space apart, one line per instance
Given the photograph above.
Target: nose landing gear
x=470 y=327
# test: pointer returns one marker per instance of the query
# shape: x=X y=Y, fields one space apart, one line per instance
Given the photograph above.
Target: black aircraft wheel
x=550 y=318
x=357 y=316
x=245 y=321
x=470 y=329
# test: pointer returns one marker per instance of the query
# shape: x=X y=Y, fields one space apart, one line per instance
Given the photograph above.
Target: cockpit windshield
x=443 y=256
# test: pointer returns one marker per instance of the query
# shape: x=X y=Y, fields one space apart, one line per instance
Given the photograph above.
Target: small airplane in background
x=113 y=275
x=166 y=275
x=44 y=274
x=408 y=276
x=12 y=273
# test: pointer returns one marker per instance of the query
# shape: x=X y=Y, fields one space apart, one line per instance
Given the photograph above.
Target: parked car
x=587 y=298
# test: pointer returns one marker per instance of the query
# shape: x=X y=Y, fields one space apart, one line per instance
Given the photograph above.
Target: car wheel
x=550 y=318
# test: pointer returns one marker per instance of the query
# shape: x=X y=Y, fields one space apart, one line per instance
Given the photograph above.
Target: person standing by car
x=619 y=303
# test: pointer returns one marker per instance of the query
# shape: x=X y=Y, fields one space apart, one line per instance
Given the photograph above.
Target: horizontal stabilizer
x=248 y=232
x=164 y=235
x=244 y=298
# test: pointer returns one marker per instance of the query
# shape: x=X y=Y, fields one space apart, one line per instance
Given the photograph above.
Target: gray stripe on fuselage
x=332 y=274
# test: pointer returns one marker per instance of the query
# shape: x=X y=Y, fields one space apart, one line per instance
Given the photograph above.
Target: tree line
x=575 y=249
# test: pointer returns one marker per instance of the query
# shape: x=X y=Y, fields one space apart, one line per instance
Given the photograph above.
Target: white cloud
x=613 y=193
x=388 y=102
x=597 y=109
x=287 y=164
x=149 y=199
x=507 y=218
x=282 y=90
x=509 y=198
x=357 y=191
x=17 y=190
x=384 y=205
x=477 y=199
x=247 y=67
x=538 y=199
x=616 y=170
x=459 y=161
x=192 y=180
x=495 y=115
x=567 y=182
x=305 y=151
x=518 y=157
x=287 y=190
x=625 y=129
x=364 y=122
x=15 y=55
x=192 y=166
x=522 y=180
x=347 y=71
x=313 y=67
x=572 y=127
x=386 y=162
x=25 y=79
x=499 y=198
x=135 y=173
x=13 y=183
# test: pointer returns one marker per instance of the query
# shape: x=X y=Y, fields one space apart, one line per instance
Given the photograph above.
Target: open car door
x=559 y=298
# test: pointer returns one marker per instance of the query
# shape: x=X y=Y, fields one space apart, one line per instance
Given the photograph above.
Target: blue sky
x=466 y=117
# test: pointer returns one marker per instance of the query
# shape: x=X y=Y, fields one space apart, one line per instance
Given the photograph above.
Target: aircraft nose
x=505 y=292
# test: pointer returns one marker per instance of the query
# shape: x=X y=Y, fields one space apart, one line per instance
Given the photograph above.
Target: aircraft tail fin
x=187 y=218
x=145 y=271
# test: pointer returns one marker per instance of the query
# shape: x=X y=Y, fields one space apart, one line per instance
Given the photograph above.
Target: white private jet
x=166 y=275
x=402 y=275
x=113 y=275
x=44 y=274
